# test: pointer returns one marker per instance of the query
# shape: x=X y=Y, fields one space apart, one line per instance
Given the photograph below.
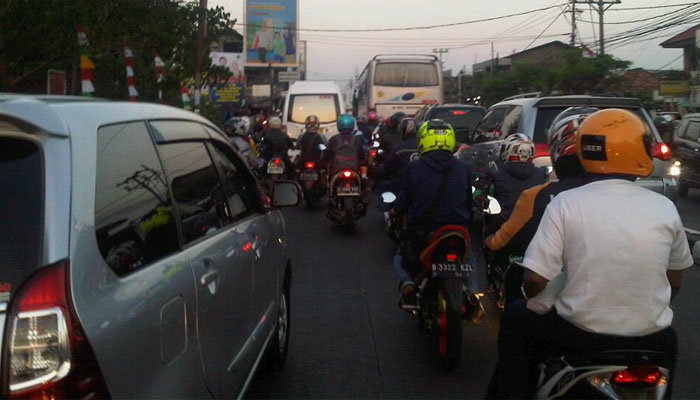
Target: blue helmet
x=346 y=122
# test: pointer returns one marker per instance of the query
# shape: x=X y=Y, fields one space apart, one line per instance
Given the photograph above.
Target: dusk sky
x=336 y=55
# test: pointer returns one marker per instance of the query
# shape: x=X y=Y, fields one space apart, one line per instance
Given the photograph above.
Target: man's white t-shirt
x=613 y=241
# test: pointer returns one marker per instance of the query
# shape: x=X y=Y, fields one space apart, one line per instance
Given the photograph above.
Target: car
x=140 y=257
x=462 y=117
x=685 y=147
x=321 y=98
x=532 y=115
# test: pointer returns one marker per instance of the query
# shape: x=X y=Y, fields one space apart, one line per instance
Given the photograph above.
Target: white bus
x=393 y=83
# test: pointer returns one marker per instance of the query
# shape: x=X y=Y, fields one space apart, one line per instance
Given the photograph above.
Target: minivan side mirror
x=286 y=194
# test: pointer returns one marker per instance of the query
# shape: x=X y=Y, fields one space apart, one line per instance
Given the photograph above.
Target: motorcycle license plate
x=348 y=191
x=451 y=270
x=309 y=176
x=275 y=170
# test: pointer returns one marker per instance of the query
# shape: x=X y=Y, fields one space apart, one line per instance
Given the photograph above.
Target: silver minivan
x=138 y=256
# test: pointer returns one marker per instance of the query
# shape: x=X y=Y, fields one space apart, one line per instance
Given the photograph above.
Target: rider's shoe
x=408 y=300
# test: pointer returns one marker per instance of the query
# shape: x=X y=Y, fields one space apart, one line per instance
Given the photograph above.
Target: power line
x=411 y=28
x=656 y=7
x=545 y=30
x=674 y=60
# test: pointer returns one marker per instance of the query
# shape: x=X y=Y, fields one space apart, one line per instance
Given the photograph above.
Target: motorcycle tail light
x=373 y=153
x=541 y=150
x=661 y=151
x=451 y=257
x=347 y=174
x=310 y=165
x=638 y=374
x=277 y=161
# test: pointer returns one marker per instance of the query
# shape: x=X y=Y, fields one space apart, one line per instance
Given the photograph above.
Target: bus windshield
x=324 y=106
x=406 y=74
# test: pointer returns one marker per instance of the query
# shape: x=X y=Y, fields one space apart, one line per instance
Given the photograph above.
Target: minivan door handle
x=209 y=280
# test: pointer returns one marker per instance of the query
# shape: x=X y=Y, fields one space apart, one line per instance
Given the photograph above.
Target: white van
x=322 y=98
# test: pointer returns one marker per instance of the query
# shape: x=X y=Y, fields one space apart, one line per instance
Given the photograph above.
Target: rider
x=277 y=143
x=372 y=119
x=394 y=167
x=391 y=137
x=517 y=173
x=345 y=136
x=309 y=141
x=583 y=234
x=528 y=210
x=237 y=129
x=366 y=128
x=435 y=191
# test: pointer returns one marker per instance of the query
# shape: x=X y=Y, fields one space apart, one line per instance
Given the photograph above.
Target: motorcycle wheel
x=348 y=224
x=448 y=331
x=310 y=200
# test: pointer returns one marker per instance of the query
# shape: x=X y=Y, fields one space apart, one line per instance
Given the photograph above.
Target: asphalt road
x=350 y=340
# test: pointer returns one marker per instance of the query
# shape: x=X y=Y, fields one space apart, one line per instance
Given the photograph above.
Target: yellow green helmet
x=435 y=134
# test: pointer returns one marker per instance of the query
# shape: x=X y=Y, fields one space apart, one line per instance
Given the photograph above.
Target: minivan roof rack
x=530 y=95
x=395 y=56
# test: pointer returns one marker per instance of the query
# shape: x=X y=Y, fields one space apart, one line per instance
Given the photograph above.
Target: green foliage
x=38 y=35
x=573 y=75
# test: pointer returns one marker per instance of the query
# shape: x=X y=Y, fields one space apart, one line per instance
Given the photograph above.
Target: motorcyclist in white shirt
x=616 y=252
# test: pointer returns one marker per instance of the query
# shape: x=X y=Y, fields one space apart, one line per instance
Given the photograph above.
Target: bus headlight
x=675 y=169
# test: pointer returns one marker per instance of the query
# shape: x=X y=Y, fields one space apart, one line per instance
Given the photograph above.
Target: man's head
x=373 y=117
x=222 y=61
x=346 y=123
x=517 y=148
x=407 y=129
x=615 y=141
x=277 y=35
x=561 y=139
x=395 y=120
x=435 y=134
x=312 y=123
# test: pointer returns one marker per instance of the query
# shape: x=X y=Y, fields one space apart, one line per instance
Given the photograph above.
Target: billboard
x=271 y=32
x=226 y=79
x=674 y=88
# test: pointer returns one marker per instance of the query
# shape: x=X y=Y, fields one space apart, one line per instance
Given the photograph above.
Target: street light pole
x=201 y=34
x=440 y=52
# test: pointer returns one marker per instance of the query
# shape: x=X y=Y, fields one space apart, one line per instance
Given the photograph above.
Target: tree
x=167 y=27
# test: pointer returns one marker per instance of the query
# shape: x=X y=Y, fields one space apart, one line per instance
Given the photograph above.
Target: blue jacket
x=421 y=183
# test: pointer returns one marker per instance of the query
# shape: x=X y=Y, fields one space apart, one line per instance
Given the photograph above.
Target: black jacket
x=335 y=141
x=308 y=144
x=511 y=179
x=276 y=143
x=394 y=167
x=388 y=140
x=420 y=189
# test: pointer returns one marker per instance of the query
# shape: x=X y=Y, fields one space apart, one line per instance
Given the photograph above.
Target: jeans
x=525 y=338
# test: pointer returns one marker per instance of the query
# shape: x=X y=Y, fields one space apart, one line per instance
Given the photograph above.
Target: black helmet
x=395 y=120
x=407 y=128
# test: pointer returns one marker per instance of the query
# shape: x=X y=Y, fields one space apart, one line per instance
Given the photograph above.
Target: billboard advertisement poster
x=226 y=79
x=271 y=35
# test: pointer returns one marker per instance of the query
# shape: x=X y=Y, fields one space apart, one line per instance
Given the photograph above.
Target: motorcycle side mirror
x=548 y=169
x=322 y=147
x=388 y=197
x=380 y=151
x=492 y=168
x=494 y=207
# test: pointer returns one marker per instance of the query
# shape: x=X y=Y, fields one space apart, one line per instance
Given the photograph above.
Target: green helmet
x=435 y=134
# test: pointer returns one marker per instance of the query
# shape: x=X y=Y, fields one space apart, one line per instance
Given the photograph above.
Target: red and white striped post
x=129 y=61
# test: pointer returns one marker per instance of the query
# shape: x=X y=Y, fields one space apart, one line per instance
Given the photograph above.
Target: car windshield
x=546 y=115
x=459 y=117
x=324 y=106
x=21 y=202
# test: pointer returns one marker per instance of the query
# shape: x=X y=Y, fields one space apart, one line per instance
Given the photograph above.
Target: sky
x=337 y=56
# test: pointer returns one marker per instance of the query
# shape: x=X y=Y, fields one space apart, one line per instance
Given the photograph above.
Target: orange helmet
x=614 y=141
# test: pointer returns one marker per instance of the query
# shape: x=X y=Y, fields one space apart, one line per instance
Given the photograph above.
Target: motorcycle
x=392 y=224
x=311 y=180
x=275 y=172
x=614 y=374
x=441 y=299
x=346 y=202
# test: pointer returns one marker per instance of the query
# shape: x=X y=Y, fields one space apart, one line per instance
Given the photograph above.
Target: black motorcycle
x=312 y=181
x=346 y=203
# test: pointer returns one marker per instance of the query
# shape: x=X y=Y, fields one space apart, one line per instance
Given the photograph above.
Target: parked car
x=140 y=258
x=533 y=116
x=685 y=148
x=462 y=117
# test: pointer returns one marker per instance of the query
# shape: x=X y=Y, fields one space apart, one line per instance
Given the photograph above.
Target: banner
x=271 y=36
x=674 y=88
x=226 y=79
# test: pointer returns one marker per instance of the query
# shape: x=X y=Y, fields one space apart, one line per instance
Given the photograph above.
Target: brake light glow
x=373 y=152
x=638 y=373
x=661 y=151
x=277 y=161
x=541 y=150
x=451 y=257
x=347 y=174
x=310 y=165
x=458 y=112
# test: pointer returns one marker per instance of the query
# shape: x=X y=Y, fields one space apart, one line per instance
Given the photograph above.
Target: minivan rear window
x=21 y=203
x=546 y=115
x=324 y=106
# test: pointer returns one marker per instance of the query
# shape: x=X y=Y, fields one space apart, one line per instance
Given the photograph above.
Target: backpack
x=346 y=155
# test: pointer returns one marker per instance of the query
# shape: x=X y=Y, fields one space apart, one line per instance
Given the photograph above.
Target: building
x=687 y=41
x=545 y=54
x=638 y=82
x=496 y=64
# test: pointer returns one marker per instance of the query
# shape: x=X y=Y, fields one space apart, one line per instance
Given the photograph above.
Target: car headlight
x=675 y=169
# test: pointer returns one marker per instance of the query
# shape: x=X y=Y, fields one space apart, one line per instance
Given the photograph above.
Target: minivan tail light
x=46 y=353
x=661 y=151
x=541 y=150
x=637 y=374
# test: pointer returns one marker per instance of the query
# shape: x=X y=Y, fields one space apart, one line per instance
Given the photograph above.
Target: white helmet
x=517 y=147
x=275 y=123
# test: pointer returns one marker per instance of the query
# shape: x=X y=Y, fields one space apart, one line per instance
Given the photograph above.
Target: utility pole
x=201 y=34
x=601 y=6
x=573 y=23
x=440 y=52
x=492 y=67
